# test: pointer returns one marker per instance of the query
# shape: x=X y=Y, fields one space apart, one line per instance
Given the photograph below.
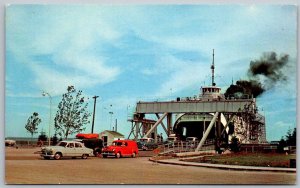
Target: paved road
x=24 y=167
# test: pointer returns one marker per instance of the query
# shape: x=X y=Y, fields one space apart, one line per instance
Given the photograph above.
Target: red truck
x=121 y=148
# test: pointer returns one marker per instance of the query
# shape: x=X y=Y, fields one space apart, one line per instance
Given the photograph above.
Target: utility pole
x=111 y=114
x=95 y=101
x=116 y=125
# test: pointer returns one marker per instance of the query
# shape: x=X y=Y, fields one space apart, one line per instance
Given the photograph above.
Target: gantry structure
x=210 y=101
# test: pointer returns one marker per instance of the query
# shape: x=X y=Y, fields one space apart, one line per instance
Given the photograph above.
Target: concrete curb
x=225 y=167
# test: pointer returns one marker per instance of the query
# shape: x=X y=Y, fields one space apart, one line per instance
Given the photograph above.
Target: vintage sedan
x=147 y=144
x=66 y=149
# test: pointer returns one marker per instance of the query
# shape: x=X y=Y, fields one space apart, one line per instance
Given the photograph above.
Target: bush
x=235 y=144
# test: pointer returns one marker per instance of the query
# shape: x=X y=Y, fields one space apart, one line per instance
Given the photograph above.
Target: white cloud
x=184 y=77
x=68 y=37
x=166 y=64
x=55 y=81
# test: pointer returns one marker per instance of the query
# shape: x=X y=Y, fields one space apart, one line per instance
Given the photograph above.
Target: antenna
x=213 y=70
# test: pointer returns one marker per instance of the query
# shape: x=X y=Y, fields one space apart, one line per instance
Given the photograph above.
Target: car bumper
x=47 y=155
x=108 y=153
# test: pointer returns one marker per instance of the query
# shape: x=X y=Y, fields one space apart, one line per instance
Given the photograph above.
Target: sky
x=130 y=53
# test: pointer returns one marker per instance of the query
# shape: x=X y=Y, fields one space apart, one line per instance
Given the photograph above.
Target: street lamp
x=50 y=104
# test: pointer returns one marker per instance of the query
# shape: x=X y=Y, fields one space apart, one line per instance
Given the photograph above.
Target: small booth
x=109 y=136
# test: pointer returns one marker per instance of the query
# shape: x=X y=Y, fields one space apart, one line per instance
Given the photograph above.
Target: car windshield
x=63 y=144
x=119 y=143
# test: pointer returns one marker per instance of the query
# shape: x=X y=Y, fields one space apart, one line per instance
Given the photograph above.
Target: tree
x=291 y=139
x=54 y=139
x=43 y=137
x=72 y=113
x=281 y=145
x=32 y=123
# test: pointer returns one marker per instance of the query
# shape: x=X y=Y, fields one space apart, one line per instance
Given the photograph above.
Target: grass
x=251 y=159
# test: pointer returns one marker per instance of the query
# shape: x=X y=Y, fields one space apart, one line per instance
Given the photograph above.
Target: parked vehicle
x=10 y=142
x=172 y=138
x=192 y=141
x=95 y=144
x=147 y=144
x=121 y=148
x=66 y=149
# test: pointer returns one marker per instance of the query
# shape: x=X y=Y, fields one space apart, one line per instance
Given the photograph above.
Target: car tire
x=84 y=156
x=97 y=153
x=118 y=155
x=104 y=156
x=133 y=155
x=57 y=156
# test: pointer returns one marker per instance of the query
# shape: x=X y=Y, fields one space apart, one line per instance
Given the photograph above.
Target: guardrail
x=184 y=146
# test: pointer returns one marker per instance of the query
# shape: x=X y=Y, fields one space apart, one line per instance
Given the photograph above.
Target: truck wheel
x=97 y=153
x=57 y=156
x=84 y=156
x=118 y=155
x=133 y=155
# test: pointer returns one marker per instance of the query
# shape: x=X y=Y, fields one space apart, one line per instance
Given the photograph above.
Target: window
x=78 y=145
x=63 y=144
x=70 y=145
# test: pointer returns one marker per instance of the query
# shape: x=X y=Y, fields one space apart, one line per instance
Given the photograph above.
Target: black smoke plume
x=263 y=75
x=270 y=67
x=245 y=88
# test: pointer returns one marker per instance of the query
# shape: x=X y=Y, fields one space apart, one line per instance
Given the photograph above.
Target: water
x=21 y=138
x=27 y=138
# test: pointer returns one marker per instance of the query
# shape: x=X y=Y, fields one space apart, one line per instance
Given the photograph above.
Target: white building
x=109 y=136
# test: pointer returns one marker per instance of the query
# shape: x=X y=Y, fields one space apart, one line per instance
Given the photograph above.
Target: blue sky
x=125 y=54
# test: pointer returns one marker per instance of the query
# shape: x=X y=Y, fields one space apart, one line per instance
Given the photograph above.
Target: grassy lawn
x=251 y=159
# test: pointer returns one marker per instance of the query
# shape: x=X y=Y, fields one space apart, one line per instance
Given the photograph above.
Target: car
x=10 y=142
x=192 y=141
x=147 y=144
x=172 y=138
x=64 y=149
x=121 y=148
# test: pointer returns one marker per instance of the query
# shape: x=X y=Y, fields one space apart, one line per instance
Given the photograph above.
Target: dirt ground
x=22 y=166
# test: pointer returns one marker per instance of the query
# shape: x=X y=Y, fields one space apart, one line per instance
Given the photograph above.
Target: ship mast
x=213 y=70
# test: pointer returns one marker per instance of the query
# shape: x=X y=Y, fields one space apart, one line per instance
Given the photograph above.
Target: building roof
x=114 y=133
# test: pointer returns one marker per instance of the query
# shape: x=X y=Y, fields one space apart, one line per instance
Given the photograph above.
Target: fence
x=184 y=146
x=28 y=143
